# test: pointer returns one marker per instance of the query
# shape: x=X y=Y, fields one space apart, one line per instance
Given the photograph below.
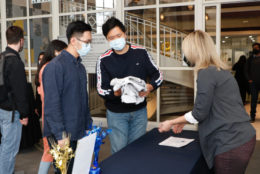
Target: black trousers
x=254 y=89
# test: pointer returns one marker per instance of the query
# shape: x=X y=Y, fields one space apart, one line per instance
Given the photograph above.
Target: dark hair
x=77 y=28
x=254 y=44
x=49 y=54
x=41 y=53
x=112 y=23
x=14 y=34
x=242 y=59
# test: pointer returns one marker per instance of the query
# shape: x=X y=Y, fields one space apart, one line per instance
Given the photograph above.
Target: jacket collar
x=9 y=49
x=71 y=58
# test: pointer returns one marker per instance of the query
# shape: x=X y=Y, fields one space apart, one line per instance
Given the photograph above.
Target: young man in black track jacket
x=127 y=121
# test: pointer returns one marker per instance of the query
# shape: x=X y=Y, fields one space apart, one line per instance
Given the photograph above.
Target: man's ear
x=72 y=40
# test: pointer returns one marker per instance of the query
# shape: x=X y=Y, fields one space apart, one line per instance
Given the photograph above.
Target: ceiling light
x=190 y=7
x=223 y=41
x=226 y=37
x=206 y=17
x=251 y=36
x=162 y=17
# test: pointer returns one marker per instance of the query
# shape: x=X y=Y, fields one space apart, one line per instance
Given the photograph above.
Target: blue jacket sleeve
x=155 y=75
x=52 y=85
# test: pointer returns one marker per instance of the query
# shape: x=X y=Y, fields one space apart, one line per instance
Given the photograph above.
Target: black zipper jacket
x=15 y=81
x=135 y=62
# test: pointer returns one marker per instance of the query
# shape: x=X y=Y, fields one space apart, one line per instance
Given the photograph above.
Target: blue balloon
x=101 y=134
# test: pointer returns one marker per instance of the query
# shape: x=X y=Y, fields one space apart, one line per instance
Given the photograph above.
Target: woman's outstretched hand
x=165 y=126
x=177 y=128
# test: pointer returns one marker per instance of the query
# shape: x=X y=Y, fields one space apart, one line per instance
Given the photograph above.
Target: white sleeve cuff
x=189 y=117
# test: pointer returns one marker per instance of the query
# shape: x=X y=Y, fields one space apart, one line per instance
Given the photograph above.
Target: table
x=145 y=156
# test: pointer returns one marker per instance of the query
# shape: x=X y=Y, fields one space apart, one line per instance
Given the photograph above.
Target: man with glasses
x=65 y=91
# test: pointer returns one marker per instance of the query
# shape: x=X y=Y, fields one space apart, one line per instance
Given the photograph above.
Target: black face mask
x=187 y=62
x=256 y=51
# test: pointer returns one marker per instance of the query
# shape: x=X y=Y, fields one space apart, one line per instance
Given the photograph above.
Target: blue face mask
x=118 y=44
x=85 y=48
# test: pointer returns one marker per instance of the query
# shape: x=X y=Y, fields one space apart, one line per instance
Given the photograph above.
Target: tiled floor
x=256 y=124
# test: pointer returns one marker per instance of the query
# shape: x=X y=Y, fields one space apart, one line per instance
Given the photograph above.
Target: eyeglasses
x=86 y=42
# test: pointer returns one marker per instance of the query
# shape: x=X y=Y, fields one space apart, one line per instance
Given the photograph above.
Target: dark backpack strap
x=2 y=63
x=10 y=96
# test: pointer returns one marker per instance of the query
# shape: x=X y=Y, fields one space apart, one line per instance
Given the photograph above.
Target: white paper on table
x=176 y=142
x=83 y=154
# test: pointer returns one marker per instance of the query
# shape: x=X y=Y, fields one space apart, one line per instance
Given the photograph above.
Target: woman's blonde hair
x=199 y=49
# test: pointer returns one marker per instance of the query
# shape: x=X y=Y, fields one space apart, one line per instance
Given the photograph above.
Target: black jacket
x=253 y=69
x=135 y=62
x=15 y=81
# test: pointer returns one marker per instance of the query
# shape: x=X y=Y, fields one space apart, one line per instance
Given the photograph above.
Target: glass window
x=71 y=6
x=15 y=8
x=240 y=28
x=65 y=20
x=23 y=25
x=101 y=4
x=131 y=3
x=174 y=1
x=39 y=8
x=175 y=24
x=176 y=93
x=141 y=28
x=210 y=21
x=96 y=20
x=41 y=35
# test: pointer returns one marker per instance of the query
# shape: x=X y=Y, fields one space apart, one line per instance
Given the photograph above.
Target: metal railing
x=95 y=101
x=140 y=31
x=143 y=32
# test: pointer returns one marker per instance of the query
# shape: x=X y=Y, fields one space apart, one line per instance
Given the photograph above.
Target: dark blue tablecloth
x=145 y=156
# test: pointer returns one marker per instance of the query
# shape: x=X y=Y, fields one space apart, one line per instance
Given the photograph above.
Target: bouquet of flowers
x=62 y=155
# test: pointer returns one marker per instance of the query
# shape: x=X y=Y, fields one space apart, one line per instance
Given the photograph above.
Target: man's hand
x=36 y=112
x=24 y=121
x=149 y=88
x=165 y=126
x=63 y=142
x=117 y=93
